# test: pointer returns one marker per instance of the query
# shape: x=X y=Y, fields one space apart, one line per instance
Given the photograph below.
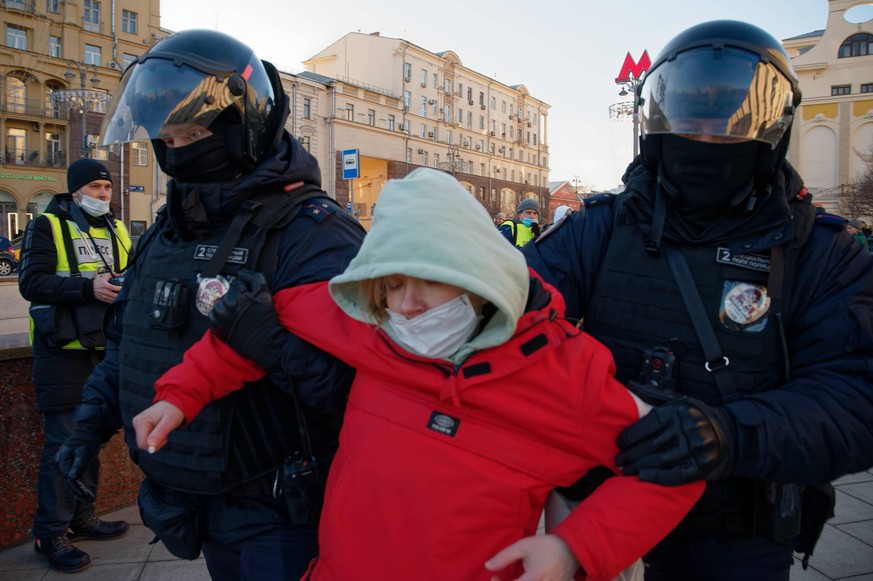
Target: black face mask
x=706 y=179
x=204 y=161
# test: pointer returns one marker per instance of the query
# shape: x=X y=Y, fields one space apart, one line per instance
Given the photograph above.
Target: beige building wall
x=57 y=50
x=833 y=128
x=405 y=107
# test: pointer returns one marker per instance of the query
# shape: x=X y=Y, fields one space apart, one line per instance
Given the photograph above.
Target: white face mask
x=93 y=206
x=439 y=332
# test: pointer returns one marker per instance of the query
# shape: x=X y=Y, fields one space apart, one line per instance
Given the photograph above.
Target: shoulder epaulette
x=318 y=210
x=832 y=220
x=599 y=199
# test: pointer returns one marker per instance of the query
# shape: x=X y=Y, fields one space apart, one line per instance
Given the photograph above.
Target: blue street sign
x=351 y=169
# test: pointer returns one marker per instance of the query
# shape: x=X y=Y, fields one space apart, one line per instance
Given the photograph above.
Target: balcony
x=34 y=108
x=28 y=6
x=31 y=158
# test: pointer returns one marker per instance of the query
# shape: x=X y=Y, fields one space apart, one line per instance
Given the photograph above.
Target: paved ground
x=845 y=551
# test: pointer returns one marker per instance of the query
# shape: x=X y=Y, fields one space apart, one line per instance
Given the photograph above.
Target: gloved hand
x=535 y=229
x=246 y=320
x=678 y=442
x=79 y=451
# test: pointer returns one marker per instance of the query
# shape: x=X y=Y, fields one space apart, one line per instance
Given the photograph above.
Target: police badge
x=209 y=291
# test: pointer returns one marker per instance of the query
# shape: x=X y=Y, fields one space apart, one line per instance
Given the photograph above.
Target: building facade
x=404 y=107
x=59 y=62
x=833 y=129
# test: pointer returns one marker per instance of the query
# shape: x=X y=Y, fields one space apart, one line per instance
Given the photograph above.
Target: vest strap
x=716 y=362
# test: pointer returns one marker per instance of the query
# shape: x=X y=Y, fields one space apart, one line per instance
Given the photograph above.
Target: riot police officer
x=243 y=193
x=727 y=304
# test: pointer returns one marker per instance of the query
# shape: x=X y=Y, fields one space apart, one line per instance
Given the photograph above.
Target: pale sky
x=566 y=52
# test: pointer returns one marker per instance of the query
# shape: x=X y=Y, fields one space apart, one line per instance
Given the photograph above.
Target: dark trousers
x=698 y=558
x=282 y=553
x=56 y=507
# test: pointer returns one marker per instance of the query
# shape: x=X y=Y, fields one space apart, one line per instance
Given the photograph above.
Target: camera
x=116 y=280
x=303 y=490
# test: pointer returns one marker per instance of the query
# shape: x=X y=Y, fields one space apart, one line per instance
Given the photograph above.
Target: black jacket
x=57 y=373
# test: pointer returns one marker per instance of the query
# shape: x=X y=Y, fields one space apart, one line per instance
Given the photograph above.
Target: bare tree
x=856 y=200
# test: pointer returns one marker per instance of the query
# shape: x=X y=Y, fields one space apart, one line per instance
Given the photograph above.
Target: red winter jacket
x=439 y=468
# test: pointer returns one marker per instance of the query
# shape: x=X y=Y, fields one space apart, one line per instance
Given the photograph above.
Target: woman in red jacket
x=473 y=399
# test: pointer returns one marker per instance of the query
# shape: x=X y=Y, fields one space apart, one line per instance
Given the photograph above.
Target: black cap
x=84 y=171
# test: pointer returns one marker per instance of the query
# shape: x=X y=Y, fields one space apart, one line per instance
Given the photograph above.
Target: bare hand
x=544 y=557
x=103 y=291
x=155 y=423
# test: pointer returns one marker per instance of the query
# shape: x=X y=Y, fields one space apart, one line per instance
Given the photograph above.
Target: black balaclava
x=706 y=180
x=207 y=160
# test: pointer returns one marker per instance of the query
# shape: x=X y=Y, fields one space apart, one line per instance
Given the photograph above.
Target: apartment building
x=403 y=107
x=833 y=129
x=59 y=62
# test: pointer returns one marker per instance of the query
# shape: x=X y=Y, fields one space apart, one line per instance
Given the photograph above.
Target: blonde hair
x=373 y=298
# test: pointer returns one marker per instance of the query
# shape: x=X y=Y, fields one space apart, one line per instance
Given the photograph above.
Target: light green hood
x=427 y=226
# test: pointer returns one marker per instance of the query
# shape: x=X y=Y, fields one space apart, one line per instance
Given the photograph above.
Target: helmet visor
x=725 y=92
x=157 y=93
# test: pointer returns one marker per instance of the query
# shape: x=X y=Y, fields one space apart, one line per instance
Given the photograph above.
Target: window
x=406 y=126
x=407 y=99
x=307 y=108
x=15 y=140
x=424 y=158
x=422 y=130
x=447 y=113
x=503 y=106
x=436 y=160
x=841 y=90
x=306 y=142
x=470 y=119
x=856 y=45
x=407 y=72
x=371 y=117
x=350 y=112
x=391 y=122
x=14 y=95
x=52 y=105
x=91 y=20
x=481 y=98
x=448 y=87
x=139 y=153
x=408 y=155
x=867 y=88
x=127 y=60
x=129 y=22
x=460 y=116
x=424 y=106
x=16 y=37
x=481 y=122
x=470 y=95
x=53 y=153
x=436 y=81
x=54 y=46
x=423 y=77
x=93 y=55
x=493 y=103
x=53 y=6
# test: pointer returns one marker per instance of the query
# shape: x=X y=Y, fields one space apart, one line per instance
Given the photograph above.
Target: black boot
x=62 y=555
x=94 y=529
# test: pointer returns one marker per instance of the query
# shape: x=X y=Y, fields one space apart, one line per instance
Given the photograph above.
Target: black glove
x=680 y=441
x=535 y=229
x=80 y=450
x=246 y=320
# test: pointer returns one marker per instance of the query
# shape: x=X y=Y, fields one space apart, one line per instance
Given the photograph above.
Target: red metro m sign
x=633 y=70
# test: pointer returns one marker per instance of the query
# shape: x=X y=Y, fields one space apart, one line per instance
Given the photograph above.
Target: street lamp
x=83 y=95
x=455 y=162
x=633 y=83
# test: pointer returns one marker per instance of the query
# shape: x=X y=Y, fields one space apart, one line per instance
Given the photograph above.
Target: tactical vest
x=86 y=261
x=637 y=306
x=234 y=439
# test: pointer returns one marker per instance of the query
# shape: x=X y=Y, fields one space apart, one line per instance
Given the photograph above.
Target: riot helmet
x=720 y=79
x=200 y=78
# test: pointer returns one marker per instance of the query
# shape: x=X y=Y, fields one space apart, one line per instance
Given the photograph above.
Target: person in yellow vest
x=525 y=227
x=73 y=257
